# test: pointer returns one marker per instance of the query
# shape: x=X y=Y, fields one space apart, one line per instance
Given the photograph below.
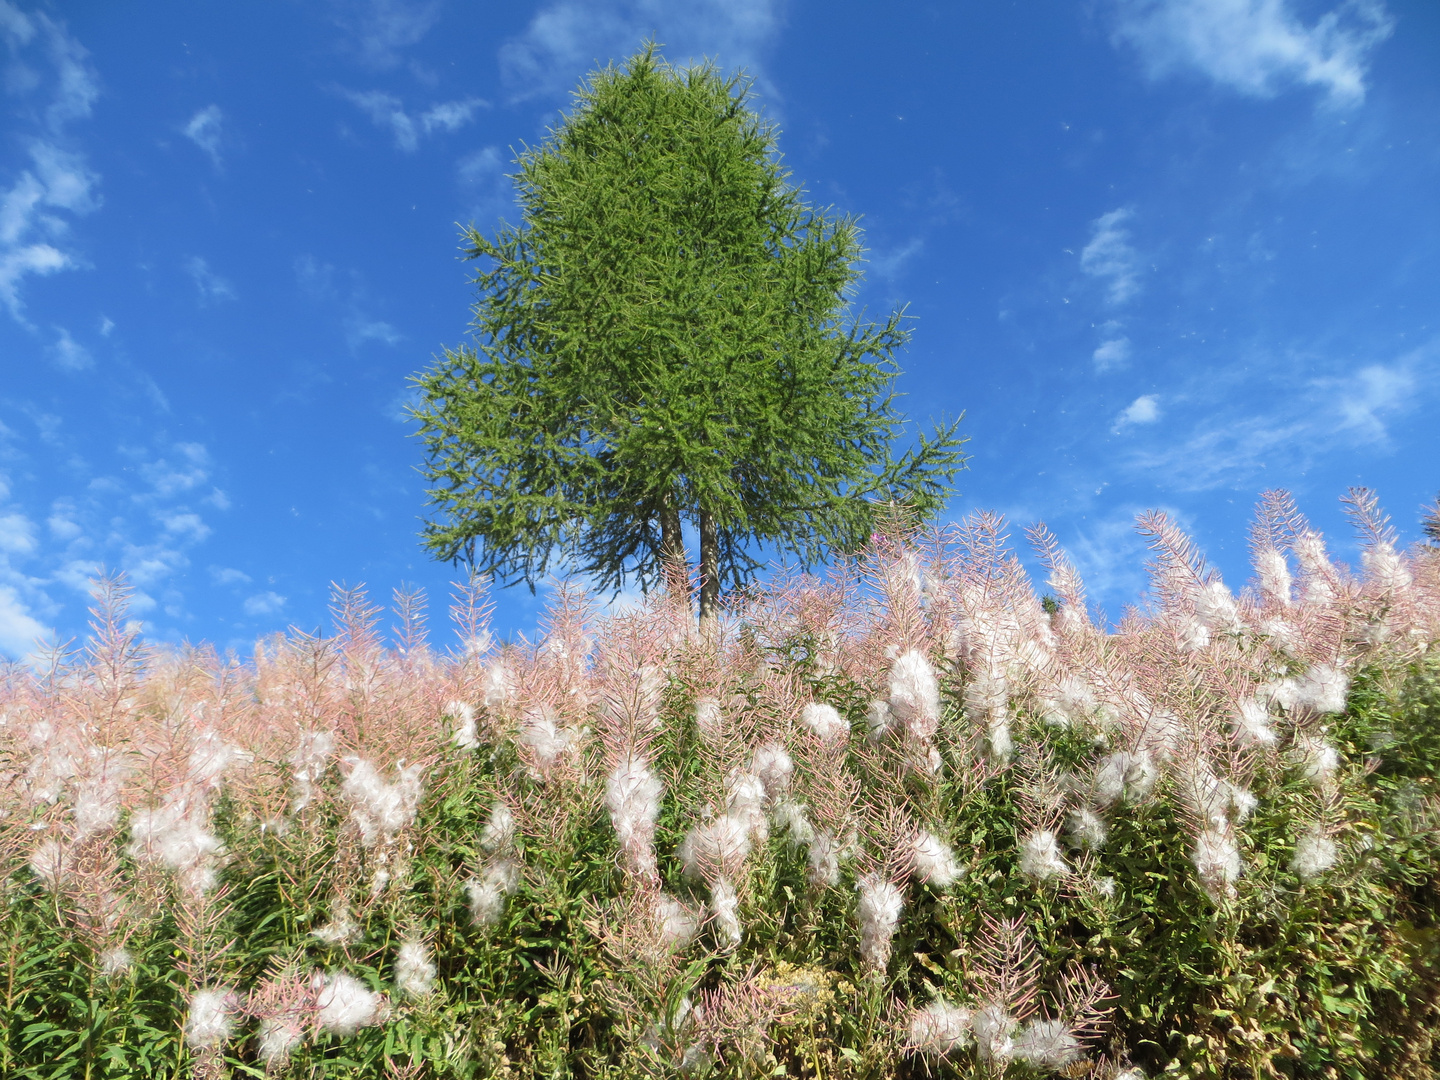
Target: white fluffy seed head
x=825 y=855
x=208 y=1021
x=345 y=1004
x=1126 y=775
x=499 y=687
x=380 y=810
x=790 y=818
x=1274 y=573
x=1314 y=854
x=939 y=1029
x=1251 y=723
x=1318 y=760
x=1087 y=829
x=1040 y=858
x=994 y=1029
x=466 y=736
x=414 y=970
x=1323 y=688
x=676 y=922
x=773 y=765
x=915 y=694
x=716 y=848
x=825 y=721
x=488 y=891
x=709 y=717
x=934 y=862
x=115 y=962
x=1047 y=1045
x=881 y=902
x=1216 y=608
x=499 y=832
x=878 y=718
x=1217 y=862
x=632 y=795
x=279 y=1036
x=725 y=911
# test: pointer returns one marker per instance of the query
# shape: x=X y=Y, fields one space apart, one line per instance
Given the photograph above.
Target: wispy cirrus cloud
x=1110 y=258
x=1257 y=47
x=1309 y=417
x=567 y=38
x=53 y=86
x=388 y=112
x=205 y=129
x=379 y=31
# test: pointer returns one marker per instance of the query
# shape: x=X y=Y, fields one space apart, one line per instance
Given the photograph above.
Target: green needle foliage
x=667 y=337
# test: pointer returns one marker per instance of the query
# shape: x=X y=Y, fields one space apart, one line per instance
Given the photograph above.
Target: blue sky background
x=1162 y=253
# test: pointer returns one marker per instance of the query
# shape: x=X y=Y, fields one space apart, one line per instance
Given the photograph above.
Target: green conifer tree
x=666 y=337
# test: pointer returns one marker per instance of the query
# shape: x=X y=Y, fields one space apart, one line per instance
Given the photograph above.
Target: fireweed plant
x=909 y=819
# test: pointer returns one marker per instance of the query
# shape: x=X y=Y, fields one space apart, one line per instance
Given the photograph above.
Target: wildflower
x=825 y=721
x=914 y=694
x=994 y=1028
x=1071 y=701
x=210 y=757
x=1216 y=609
x=466 y=736
x=345 y=1004
x=1040 y=858
x=48 y=862
x=97 y=795
x=708 y=717
x=934 y=862
x=1314 y=854
x=489 y=890
x=1274 y=574
x=878 y=717
x=499 y=831
x=279 y=1035
x=632 y=795
x=208 y=1024
x=115 y=961
x=414 y=970
x=176 y=834
x=790 y=818
x=1385 y=568
x=1323 y=689
x=309 y=761
x=377 y=809
x=676 y=922
x=716 y=848
x=1127 y=776
x=1046 y=1045
x=1282 y=692
x=499 y=687
x=1282 y=634
x=745 y=801
x=342 y=929
x=724 y=909
x=1087 y=829
x=879 y=910
x=547 y=741
x=938 y=1029
x=1251 y=723
x=774 y=767
x=824 y=858
x=1317 y=759
x=1217 y=862
x=1191 y=634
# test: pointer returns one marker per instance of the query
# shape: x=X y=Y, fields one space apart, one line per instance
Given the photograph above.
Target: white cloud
x=189 y=471
x=1257 y=46
x=69 y=354
x=359 y=326
x=1143 y=410
x=1311 y=418
x=210 y=285
x=567 y=38
x=204 y=131
x=380 y=30
x=388 y=111
x=889 y=264
x=224 y=575
x=265 y=603
x=1112 y=353
x=57 y=87
x=1110 y=258
x=360 y=330
x=19 y=630
x=17 y=534
x=185 y=524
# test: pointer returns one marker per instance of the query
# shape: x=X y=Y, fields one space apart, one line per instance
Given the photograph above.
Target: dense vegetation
x=908 y=819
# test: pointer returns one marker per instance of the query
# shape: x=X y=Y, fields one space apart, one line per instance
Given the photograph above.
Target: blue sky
x=1162 y=253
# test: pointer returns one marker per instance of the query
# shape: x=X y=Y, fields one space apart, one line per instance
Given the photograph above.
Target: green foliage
x=1332 y=978
x=666 y=337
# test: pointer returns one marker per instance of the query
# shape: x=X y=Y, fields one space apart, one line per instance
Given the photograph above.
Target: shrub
x=904 y=820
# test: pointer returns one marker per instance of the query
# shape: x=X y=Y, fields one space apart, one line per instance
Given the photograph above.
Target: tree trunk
x=675 y=569
x=709 y=567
